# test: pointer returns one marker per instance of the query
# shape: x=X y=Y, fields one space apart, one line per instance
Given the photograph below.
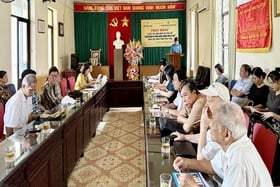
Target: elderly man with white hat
x=206 y=149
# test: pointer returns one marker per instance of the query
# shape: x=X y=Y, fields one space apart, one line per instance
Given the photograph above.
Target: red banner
x=118 y=22
x=254 y=26
x=129 y=7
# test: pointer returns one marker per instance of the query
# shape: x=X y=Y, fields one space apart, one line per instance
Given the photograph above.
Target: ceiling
x=126 y=1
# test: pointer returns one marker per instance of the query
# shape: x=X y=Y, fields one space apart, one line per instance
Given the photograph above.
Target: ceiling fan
x=7 y=1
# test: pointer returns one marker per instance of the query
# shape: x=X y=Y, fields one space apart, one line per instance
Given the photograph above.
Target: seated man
x=242 y=86
x=238 y=162
x=36 y=101
x=189 y=118
x=215 y=93
x=18 y=111
x=51 y=92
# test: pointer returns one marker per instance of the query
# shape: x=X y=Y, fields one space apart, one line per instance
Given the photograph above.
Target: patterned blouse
x=4 y=93
x=51 y=96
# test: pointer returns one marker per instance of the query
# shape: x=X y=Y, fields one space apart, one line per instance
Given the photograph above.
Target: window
x=50 y=38
x=20 y=39
x=222 y=34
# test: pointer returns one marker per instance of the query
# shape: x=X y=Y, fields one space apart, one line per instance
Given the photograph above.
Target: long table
x=156 y=162
x=51 y=159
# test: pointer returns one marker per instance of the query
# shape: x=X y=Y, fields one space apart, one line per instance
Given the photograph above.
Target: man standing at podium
x=176 y=47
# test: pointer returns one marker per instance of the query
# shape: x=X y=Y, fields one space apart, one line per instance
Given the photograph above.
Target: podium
x=175 y=59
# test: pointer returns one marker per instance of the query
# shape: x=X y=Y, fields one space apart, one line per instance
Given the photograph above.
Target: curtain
x=91 y=31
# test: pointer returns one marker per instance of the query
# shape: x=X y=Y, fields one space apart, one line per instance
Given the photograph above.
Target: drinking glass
x=165 y=180
x=152 y=122
x=165 y=144
x=46 y=126
x=10 y=155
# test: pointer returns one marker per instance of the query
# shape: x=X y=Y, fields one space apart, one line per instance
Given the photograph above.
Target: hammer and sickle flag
x=114 y=22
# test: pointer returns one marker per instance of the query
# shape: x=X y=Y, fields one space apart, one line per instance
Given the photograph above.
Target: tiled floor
x=115 y=157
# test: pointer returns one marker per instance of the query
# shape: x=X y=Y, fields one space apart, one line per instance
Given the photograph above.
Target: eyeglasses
x=54 y=75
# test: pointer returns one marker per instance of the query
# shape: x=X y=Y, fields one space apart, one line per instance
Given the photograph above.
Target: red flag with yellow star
x=118 y=22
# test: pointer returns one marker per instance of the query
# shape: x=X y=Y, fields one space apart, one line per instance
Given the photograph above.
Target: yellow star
x=124 y=22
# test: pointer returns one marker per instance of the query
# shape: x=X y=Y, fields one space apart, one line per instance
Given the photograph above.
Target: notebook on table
x=197 y=176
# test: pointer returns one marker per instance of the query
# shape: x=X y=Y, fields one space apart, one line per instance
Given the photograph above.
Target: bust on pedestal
x=118 y=43
x=118 y=57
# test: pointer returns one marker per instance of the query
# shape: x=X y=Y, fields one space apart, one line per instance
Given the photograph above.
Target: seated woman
x=82 y=79
x=160 y=76
x=4 y=90
x=51 y=92
x=242 y=86
x=189 y=118
x=220 y=75
x=173 y=109
x=257 y=96
x=168 y=91
x=89 y=76
x=273 y=98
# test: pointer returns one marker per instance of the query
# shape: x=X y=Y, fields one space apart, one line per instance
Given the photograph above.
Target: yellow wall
x=64 y=46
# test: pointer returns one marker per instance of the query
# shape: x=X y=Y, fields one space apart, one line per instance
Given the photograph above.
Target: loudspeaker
x=74 y=61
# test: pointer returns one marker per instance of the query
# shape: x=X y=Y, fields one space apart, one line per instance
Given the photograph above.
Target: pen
x=178 y=170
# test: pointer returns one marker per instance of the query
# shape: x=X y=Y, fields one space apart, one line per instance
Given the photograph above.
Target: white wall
x=268 y=61
x=5 y=37
x=66 y=45
x=39 y=41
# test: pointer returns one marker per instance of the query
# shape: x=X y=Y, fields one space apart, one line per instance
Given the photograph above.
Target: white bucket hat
x=217 y=89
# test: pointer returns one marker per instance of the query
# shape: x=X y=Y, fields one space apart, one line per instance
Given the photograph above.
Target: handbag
x=184 y=149
x=168 y=125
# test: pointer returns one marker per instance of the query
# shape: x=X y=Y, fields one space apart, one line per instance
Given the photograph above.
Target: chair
x=247 y=120
x=232 y=83
x=265 y=142
x=63 y=87
x=1 y=120
x=12 y=88
x=71 y=83
x=202 y=78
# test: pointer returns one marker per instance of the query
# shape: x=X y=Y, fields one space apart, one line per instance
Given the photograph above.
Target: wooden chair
x=71 y=83
x=63 y=87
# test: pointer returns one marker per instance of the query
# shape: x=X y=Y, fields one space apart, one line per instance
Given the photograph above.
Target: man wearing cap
x=238 y=162
x=206 y=149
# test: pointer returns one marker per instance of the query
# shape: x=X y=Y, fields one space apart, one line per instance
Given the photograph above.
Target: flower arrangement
x=133 y=52
x=134 y=55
